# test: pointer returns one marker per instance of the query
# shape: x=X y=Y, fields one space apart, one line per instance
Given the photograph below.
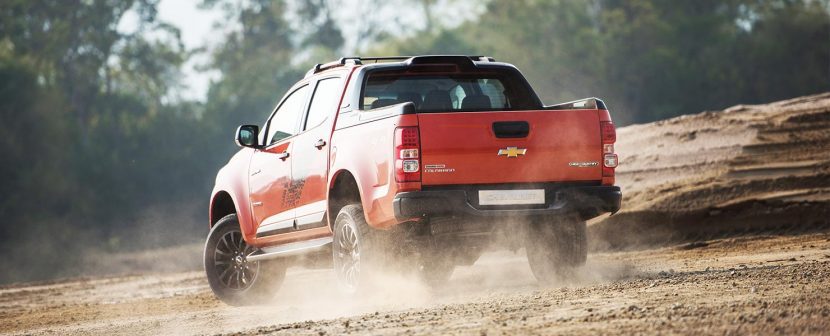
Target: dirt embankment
x=724 y=230
x=750 y=168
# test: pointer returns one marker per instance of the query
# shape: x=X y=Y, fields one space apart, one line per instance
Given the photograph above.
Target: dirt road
x=755 y=284
x=725 y=229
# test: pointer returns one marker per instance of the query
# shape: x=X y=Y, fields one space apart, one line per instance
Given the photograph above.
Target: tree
x=256 y=66
x=81 y=104
x=651 y=59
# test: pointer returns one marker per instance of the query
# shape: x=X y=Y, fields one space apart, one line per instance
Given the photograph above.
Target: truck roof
x=356 y=61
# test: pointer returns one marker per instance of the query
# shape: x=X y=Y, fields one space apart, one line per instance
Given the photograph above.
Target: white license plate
x=511 y=197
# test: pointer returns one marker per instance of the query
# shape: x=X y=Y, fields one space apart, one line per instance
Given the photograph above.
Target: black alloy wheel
x=233 y=278
x=359 y=251
x=231 y=261
x=348 y=257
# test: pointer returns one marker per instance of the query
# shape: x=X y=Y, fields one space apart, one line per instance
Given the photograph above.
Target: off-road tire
x=358 y=250
x=556 y=248
x=233 y=279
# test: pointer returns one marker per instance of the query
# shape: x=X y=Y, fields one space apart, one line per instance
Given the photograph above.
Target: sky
x=197 y=30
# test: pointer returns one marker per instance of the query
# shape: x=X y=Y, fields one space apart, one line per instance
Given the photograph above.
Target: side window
x=457 y=95
x=284 y=122
x=493 y=89
x=325 y=97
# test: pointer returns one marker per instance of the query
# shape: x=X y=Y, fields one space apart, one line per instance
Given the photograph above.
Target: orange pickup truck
x=422 y=162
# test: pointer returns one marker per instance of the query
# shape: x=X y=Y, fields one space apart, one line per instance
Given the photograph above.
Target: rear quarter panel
x=365 y=150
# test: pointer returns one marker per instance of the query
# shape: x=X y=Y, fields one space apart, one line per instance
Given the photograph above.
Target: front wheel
x=556 y=248
x=233 y=279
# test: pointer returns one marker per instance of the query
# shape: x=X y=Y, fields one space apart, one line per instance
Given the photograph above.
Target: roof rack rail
x=483 y=58
x=382 y=58
x=320 y=67
x=403 y=58
x=359 y=60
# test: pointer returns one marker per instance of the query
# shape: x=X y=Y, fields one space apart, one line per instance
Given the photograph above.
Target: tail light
x=608 y=133
x=407 y=154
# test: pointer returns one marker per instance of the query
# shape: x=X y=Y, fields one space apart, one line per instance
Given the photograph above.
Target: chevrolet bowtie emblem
x=512 y=151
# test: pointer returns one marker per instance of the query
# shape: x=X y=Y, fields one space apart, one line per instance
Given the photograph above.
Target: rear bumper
x=586 y=201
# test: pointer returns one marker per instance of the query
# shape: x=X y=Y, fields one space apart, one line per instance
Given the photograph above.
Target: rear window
x=486 y=91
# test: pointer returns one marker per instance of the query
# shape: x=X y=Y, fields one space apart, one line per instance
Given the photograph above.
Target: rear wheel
x=556 y=248
x=233 y=279
x=358 y=250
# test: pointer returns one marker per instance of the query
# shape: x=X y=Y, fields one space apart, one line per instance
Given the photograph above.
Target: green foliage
x=652 y=59
x=255 y=62
x=87 y=138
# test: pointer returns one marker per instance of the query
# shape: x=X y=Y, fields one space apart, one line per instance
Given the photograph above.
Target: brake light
x=608 y=134
x=407 y=154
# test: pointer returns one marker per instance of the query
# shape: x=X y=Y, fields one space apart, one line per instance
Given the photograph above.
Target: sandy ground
x=724 y=230
x=765 y=284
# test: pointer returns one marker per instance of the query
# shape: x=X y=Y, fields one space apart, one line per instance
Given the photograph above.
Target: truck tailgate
x=467 y=148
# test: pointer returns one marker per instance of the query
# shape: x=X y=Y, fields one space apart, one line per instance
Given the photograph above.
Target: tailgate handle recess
x=511 y=129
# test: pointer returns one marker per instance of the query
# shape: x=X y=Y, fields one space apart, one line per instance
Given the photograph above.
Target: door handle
x=256 y=203
x=283 y=156
x=320 y=143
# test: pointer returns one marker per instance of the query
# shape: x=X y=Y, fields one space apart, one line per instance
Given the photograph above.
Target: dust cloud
x=313 y=294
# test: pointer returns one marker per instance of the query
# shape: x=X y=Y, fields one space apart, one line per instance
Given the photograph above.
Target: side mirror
x=247 y=136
